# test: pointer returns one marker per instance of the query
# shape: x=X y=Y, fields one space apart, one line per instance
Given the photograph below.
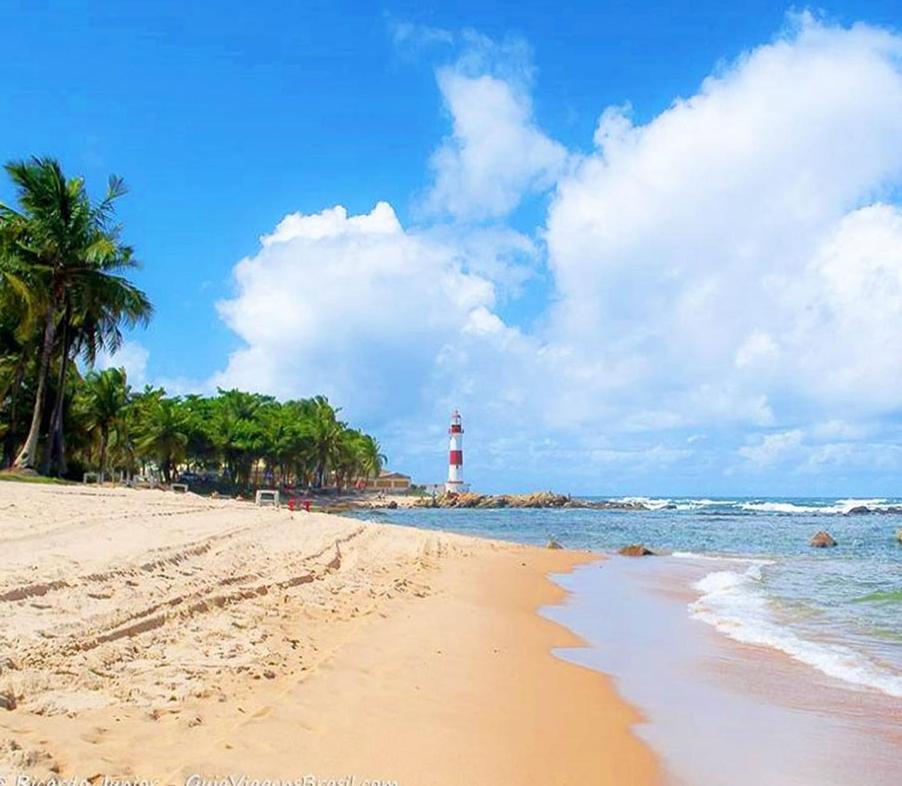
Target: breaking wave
x=735 y=604
x=693 y=555
x=842 y=506
x=786 y=507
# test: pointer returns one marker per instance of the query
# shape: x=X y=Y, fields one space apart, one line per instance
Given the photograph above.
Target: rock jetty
x=467 y=499
x=539 y=499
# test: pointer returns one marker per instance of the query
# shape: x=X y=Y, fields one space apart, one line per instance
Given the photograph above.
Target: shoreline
x=305 y=643
x=746 y=699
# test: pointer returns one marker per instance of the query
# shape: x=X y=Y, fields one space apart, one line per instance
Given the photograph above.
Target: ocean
x=769 y=639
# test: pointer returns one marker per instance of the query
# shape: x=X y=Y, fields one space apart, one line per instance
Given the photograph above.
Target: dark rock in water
x=860 y=509
x=636 y=550
x=392 y=505
x=618 y=504
x=822 y=540
x=553 y=544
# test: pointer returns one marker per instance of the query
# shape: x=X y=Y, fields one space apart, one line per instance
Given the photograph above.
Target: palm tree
x=297 y=456
x=282 y=437
x=99 y=304
x=66 y=254
x=239 y=432
x=162 y=425
x=326 y=433
x=348 y=463
x=104 y=403
x=370 y=458
x=201 y=449
x=22 y=306
x=18 y=340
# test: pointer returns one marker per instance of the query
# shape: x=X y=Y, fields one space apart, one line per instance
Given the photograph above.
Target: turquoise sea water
x=836 y=610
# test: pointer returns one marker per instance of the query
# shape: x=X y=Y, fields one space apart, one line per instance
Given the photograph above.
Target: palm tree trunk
x=103 y=441
x=28 y=456
x=55 y=461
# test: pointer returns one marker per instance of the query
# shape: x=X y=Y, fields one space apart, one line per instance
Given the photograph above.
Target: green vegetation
x=61 y=264
x=64 y=300
x=42 y=479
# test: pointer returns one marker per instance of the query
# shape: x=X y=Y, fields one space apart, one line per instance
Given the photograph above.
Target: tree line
x=64 y=301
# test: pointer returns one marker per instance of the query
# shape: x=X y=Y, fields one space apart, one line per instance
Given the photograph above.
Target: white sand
x=151 y=634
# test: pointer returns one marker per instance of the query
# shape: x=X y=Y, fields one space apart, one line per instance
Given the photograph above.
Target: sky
x=647 y=248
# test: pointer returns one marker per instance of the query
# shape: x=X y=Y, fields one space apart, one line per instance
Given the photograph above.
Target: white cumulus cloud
x=352 y=306
x=733 y=254
x=773 y=447
x=496 y=154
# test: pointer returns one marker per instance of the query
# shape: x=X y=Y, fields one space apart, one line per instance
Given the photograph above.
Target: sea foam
x=841 y=506
x=649 y=502
x=694 y=555
x=735 y=604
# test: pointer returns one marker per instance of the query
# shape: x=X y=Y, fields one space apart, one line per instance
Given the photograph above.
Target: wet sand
x=152 y=635
x=721 y=713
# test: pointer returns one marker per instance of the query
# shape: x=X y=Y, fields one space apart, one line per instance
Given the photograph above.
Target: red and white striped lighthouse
x=455 y=454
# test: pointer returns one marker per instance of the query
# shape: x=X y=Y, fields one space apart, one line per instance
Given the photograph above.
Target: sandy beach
x=148 y=635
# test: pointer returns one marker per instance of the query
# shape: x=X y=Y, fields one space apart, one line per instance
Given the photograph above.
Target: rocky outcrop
x=553 y=544
x=636 y=550
x=467 y=499
x=617 y=504
x=539 y=499
x=544 y=499
x=823 y=540
x=859 y=510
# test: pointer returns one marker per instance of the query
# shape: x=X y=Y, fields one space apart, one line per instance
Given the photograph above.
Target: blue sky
x=225 y=122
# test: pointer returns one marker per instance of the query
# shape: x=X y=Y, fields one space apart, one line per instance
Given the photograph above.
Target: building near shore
x=389 y=481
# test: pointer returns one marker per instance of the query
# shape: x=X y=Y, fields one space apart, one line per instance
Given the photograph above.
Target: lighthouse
x=455 y=454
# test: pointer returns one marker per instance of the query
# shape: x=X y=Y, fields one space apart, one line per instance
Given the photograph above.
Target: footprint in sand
x=95 y=737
